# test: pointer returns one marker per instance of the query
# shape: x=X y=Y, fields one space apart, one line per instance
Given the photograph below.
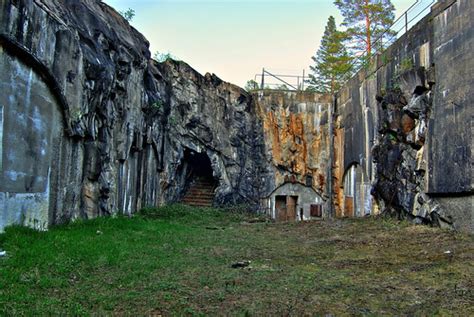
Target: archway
x=353 y=191
x=31 y=134
x=198 y=165
x=199 y=181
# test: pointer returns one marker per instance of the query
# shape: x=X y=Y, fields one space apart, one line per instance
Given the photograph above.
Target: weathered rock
x=128 y=120
x=91 y=126
x=400 y=179
x=408 y=123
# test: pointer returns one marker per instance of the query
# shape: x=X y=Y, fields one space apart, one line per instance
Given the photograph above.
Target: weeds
x=176 y=260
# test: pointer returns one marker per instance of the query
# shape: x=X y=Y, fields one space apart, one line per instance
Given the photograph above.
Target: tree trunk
x=333 y=84
x=367 y=26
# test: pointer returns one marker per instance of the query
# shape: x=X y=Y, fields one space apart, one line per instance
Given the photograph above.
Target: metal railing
x=419 y=9
x=399 y=27
x=271 y=80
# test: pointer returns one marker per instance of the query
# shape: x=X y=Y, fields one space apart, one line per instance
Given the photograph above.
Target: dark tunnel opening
x=198 y=166
x=199 y=182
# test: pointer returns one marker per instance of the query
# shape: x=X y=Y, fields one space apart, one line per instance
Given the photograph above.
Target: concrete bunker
x=31 y=132
x=357 y=198
x=295 y=202
x=198 y=178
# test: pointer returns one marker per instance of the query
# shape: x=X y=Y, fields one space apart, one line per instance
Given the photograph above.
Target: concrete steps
x=200 y=193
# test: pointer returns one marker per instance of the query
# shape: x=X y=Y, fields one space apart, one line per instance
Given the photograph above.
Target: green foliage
x=203 y=215
x=332 y=63
x=406 y=64
x=128 y=14
x=172 y=121
x=76 y=114
x=176 y=260
x=157 y=105
x=251 y=85
x=365 y=22
x=163 y=57
x=311 y=89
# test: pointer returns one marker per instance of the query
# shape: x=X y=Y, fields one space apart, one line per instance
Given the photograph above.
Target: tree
x=128 y=14
x=163 y=57
x=251 y=85
x=366 y=22
x=332 y=61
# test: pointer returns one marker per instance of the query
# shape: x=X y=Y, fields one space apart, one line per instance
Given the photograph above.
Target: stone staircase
x=200 y=193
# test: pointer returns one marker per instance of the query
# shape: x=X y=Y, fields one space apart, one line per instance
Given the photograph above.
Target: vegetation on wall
x=163 y=57
x=128 y=14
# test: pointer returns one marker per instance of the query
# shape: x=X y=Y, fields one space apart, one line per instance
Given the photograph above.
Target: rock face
x=207 y=115
x=126 y=128
x=91 y=126
x=296 y=128
x=400 y=183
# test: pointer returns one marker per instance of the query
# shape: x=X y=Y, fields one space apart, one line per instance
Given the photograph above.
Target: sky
x=235 y=39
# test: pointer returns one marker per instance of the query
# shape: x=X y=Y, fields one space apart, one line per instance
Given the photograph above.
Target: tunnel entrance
x=199 y=180
x=198 y=165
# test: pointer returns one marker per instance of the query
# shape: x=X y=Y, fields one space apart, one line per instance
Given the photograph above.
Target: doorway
x=353 y=195
x=286 y=207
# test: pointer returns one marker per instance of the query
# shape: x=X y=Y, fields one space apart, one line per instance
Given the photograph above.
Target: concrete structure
x=91 y=126
x=407 y=123
x=31 y=128
x=296 y=202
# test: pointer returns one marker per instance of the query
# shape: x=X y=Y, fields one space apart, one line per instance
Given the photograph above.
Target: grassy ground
x=177 y=261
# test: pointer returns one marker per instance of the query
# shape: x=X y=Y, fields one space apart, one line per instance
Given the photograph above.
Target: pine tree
x=366 y=22
x=332 y=61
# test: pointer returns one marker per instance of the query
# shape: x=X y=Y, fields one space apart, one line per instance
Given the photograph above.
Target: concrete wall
x=451 y=143
x=31 y=130
x=423 y=158
x=450 y=129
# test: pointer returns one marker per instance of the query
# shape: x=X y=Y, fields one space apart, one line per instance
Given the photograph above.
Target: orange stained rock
x=338 y=171
x=298 y=145
x=270 y=125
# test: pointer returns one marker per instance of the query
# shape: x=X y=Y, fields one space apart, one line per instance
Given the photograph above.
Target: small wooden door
x=348 y=206
x=280 y=208
x=291 y=203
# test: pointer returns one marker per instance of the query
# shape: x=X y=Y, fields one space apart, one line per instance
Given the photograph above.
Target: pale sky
x=236 y=38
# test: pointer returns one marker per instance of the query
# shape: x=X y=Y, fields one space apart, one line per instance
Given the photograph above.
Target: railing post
x=302 y=84
x=406 y=21
x=262 y=85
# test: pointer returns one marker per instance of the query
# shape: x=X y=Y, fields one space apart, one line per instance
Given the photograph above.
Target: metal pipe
x=285 y=82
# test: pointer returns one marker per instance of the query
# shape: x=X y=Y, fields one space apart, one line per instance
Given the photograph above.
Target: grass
x=177 y=260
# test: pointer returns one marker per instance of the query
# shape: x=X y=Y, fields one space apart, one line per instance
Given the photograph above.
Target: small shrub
x=128 y=14
x=157 y=105
x=163 y=57
x=406 y=64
